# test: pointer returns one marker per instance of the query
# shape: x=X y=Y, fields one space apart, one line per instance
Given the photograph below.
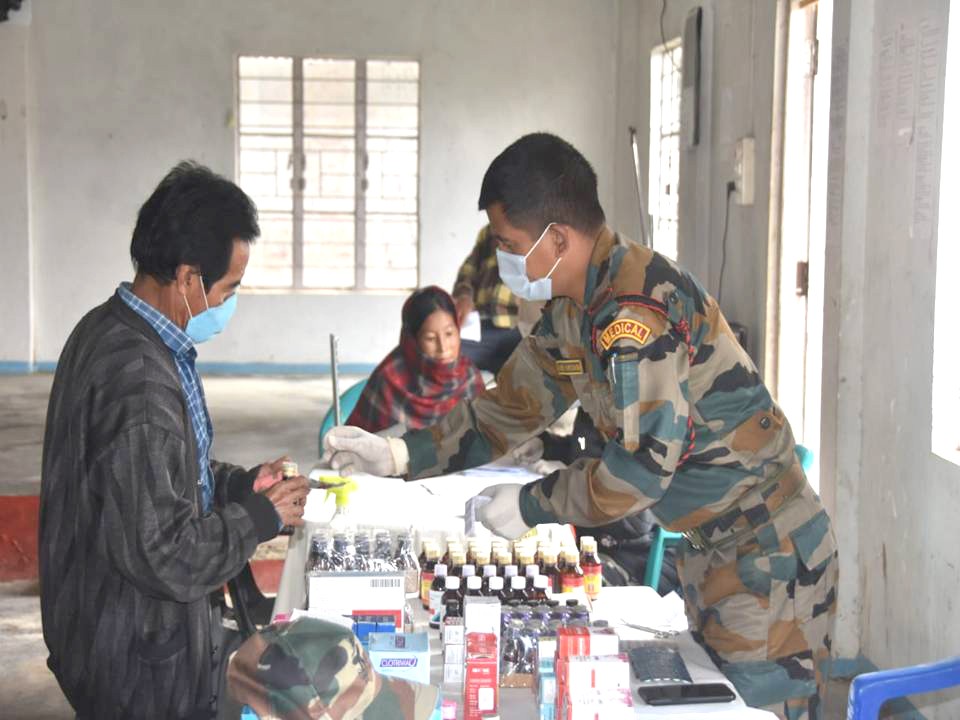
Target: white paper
x=470 y=330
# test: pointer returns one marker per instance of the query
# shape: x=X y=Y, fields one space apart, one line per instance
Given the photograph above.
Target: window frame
x=297 y=161
x=657 y=137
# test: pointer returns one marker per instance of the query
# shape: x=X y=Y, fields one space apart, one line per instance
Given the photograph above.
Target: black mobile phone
x=685 y=693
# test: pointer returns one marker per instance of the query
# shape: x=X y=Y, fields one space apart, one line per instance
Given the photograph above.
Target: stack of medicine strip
x=452 y=636
x=481 y=684
x=592 y=677
x=546 y=677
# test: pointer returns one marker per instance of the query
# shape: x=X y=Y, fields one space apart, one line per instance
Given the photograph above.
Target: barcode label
x=385 y=583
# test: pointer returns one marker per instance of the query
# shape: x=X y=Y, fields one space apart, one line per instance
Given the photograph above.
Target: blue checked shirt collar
x=173 y=337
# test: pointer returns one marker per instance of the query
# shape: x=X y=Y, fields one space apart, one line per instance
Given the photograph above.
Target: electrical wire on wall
x=663 y=37
x=731 y=186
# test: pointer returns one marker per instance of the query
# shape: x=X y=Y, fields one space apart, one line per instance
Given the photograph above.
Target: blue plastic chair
x=870 y=691
x=662 y=538
x=805 y=456
x=348 y=401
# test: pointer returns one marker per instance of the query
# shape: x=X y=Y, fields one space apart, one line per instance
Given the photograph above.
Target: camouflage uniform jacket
x=691 y=430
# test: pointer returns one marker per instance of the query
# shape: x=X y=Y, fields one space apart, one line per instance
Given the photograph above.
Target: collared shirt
x=479 y=277
x=185 y=357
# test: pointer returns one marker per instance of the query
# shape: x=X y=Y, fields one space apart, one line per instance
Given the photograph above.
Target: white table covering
x=435 y=507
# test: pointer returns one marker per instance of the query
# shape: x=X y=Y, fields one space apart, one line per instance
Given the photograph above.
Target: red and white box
x=585 y=674
x=481 y=688
x=596 y=705
x=575 y=641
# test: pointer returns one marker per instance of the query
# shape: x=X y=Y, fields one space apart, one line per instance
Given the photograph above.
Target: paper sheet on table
x=705 y=712
x=640 y=605
x=470 y=330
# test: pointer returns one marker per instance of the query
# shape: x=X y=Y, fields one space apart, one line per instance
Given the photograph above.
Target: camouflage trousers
x=764 y=608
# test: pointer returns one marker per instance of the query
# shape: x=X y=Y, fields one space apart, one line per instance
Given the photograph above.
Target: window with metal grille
x=329 y=151
x=665 y=64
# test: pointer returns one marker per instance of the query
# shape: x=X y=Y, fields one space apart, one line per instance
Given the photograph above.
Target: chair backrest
x=661 y=539
x=868 y=692
x=348 y=401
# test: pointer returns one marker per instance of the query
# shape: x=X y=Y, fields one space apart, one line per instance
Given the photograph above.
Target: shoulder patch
x=624 y=329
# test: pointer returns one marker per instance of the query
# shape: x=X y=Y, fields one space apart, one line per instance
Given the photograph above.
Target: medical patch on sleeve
x=569 y=367
x=624 y=329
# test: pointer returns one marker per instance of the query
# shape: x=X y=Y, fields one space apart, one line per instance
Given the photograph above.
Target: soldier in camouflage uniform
x=316 y=669
x=692 y=433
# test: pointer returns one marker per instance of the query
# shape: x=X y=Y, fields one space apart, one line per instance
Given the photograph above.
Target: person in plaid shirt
x=479 y=288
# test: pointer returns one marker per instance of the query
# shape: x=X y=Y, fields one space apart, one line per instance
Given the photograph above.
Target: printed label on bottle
x=592 y=580
x=426 y=580
x=435 y=596
x=572 y=583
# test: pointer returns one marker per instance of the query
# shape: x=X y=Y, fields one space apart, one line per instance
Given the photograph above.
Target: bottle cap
x=540 y=582
x=572 y=603
x=440 y=569
x=474 y=583
x=518 y=583
x=531 y=570
x=468 y=570
x=509 y=571
x=489 y=570
x=453 y=582
x=496 y=583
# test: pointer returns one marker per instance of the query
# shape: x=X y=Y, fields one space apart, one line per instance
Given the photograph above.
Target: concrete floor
x=255 y=419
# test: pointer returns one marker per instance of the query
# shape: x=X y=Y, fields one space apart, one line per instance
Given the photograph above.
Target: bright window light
x=946 y=345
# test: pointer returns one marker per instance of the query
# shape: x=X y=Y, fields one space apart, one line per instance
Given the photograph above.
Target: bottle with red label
x=592 y=567
x=571 y=575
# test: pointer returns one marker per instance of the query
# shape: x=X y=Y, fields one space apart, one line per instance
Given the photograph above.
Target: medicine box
x=401 y=655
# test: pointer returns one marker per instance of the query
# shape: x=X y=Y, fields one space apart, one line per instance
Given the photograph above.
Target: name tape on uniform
x=625 y=329
x=569 y=367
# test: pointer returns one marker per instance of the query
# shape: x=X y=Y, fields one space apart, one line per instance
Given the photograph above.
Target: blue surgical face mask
x=203 y=326
x=513 y=272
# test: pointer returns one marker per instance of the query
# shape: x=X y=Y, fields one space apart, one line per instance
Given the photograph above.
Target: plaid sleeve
x=467 y=276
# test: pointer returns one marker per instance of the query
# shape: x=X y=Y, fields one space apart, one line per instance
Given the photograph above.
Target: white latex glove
x=529 y=452
x=501 y=513
x=350 y=450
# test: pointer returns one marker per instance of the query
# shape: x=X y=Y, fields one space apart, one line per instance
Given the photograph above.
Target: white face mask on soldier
x=513 y=273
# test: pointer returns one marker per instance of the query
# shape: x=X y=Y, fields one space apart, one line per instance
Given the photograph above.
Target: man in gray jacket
x=138 y=525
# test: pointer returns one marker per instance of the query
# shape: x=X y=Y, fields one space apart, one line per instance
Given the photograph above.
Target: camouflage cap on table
x=312 y=668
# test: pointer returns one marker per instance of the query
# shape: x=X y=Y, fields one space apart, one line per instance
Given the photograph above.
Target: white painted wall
x=121 y=91
x=736 y=101
x=897 y=501
x=16 y=302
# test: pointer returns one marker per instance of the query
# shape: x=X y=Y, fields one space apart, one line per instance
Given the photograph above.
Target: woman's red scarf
x=412 y=389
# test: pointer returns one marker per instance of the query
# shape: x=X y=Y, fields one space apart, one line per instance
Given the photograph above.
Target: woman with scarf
x=425 y=376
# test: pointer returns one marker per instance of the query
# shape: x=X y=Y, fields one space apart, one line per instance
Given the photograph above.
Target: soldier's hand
x=289 y=498
x=501 y=514
x=529 y=452
x=352 y=450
